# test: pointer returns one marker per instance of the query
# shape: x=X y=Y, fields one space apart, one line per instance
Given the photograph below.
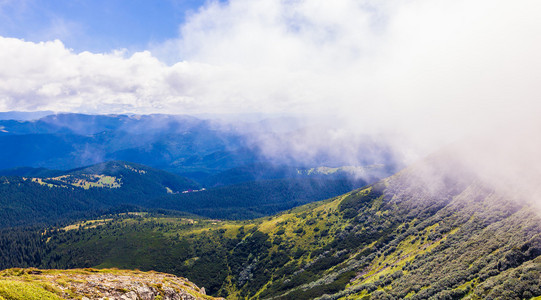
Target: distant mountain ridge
x=30 y=172
x=66 y=141
x=210 y=152
x=23 y=115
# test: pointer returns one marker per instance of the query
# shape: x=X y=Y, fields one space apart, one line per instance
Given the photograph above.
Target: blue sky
x=96 y=25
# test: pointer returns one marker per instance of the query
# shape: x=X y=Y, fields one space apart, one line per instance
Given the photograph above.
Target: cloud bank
x=417 y=73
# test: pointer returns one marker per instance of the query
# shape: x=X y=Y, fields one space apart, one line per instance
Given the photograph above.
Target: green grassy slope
x=426 y=232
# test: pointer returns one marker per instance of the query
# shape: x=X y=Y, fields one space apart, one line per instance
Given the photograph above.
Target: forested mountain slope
x=54 y=196
x=84 y=191
x=432 y=230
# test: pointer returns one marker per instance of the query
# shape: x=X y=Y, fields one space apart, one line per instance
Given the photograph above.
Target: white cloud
x=47 y=76
x=425 y=70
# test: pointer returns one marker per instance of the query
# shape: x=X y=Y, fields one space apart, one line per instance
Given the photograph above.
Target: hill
x=83 y=192
x=431 y=231
x=30 y=284
x=147 y=180
x=120 y=186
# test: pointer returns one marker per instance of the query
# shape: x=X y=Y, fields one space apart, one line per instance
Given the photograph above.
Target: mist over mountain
x=184 y=145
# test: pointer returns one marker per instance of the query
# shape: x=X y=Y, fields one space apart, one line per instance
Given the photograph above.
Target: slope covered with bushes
x=428 y=231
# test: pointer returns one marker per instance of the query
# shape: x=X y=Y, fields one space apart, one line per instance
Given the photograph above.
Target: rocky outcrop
x=111 y=284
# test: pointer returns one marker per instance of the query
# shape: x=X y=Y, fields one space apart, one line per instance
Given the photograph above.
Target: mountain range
x=206 y=151
x=65 y=141
x=435 y=230
x=195 y=198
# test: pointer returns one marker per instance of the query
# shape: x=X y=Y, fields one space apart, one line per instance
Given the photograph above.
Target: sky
x=98 y=26
x=420 y=73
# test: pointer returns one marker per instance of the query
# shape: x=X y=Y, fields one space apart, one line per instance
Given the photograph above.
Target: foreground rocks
x=89 y=284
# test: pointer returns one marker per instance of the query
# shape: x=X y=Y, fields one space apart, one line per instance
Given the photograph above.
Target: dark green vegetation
x=268 y=171
x=427 y=232
x=257 y=198
x=122 y=186
x=83 y=192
